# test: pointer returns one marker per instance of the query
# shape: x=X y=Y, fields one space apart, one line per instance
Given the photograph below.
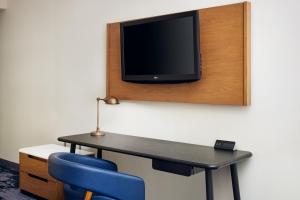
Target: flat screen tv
x=162 y=49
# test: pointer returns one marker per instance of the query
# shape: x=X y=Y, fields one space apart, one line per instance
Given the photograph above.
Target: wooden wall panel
x=225 y=49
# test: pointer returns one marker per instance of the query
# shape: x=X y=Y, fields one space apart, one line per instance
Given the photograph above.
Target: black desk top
x=190 y=154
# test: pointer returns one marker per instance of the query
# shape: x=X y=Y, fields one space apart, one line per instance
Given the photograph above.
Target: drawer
x=34 y=165
x=42 y=187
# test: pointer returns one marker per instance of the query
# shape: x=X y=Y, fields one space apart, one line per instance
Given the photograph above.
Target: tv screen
x=161 y=49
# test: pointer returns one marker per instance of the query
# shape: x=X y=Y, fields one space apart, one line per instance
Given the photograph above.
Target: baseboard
x=9 y=164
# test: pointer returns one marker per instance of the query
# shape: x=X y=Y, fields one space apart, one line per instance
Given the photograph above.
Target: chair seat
x=76 y=193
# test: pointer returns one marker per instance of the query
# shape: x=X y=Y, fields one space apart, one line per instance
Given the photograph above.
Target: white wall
x=52 y=67
x=3 y=4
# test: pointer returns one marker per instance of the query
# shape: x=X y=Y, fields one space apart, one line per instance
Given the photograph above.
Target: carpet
x=9 y=185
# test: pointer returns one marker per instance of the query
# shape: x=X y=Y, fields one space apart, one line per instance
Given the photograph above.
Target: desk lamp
x=108 y=100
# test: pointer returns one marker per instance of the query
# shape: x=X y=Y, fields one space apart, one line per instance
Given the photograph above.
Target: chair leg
x=88 y=195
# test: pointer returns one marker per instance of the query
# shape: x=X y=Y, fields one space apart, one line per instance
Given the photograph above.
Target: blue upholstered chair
x=86 y=176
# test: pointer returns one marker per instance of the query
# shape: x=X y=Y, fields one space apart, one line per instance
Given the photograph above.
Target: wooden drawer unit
x=34 y=165
x=34 y=178
x=40 y=186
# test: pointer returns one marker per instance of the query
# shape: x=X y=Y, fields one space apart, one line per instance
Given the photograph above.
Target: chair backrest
x=95 y=175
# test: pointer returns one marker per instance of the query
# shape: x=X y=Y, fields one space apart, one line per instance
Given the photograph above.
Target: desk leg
x=209 y=185
x=99 y=153
x=73 y=148
x=235 y=182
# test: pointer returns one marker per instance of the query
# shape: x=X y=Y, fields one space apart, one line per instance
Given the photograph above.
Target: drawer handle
x=36 y=158
x=37 y=177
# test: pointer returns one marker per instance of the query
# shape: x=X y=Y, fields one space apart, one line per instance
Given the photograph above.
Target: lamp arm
x=98 y=99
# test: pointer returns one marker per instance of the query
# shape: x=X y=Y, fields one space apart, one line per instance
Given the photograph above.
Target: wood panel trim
x=247 y=53
x=107 y=61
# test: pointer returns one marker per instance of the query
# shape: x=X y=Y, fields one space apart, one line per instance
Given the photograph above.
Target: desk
x=198 y=156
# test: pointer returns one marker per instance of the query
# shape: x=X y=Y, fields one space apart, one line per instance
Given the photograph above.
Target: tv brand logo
x=155 y=77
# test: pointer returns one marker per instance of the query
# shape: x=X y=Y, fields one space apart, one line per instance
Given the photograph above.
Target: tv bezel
x=165 y=78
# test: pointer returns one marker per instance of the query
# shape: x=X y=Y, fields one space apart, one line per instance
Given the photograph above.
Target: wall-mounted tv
x=162 y=49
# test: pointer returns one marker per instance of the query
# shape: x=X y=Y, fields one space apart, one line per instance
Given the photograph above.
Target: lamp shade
x=111 y=100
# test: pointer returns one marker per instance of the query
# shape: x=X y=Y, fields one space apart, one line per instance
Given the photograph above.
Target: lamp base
x=97 y=133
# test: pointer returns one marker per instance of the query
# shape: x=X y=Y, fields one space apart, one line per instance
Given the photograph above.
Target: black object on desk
x=189 y=157
x=224 y=145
